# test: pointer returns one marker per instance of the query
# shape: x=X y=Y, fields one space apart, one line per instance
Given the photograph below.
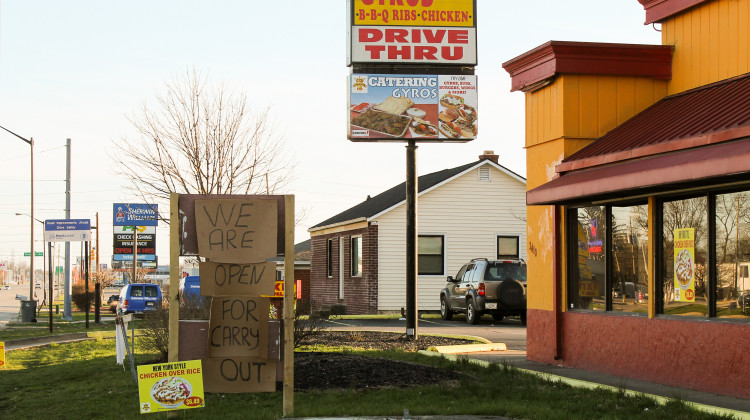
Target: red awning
x=649 y=175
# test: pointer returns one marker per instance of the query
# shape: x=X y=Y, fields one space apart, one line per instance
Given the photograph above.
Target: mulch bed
x=333 y=370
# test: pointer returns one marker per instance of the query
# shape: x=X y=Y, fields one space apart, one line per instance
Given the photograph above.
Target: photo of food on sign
x=427 y=108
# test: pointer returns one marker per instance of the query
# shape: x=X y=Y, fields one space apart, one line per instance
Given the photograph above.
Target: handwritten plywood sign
x=236 y=230
x=225 y=279
x=186 y=217
x=237 y=374
x=238 y=327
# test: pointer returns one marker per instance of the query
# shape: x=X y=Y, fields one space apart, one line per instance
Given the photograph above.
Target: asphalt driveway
x=508 y=331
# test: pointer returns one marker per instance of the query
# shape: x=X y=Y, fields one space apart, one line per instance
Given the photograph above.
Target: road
x=508 y=331
x=9 y=306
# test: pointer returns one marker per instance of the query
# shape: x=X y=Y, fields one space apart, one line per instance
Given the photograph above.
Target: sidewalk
x=714 y=403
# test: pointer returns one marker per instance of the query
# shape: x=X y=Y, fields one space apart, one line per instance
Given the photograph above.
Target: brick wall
x=360 y=293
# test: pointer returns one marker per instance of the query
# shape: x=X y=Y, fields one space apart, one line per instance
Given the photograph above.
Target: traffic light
x=93 y=253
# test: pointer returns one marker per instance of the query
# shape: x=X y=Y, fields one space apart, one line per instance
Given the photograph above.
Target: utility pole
x=67 y=311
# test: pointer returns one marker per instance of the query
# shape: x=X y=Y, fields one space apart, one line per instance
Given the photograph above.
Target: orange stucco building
x=638 y=178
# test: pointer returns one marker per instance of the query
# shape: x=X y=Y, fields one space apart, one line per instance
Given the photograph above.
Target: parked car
x=139 y=298
x=112 y=301
x=743 y=300
x=496 y=287
x=7 y=287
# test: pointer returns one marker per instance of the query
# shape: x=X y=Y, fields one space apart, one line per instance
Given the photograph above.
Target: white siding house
x=462 y=212
x=468 y=212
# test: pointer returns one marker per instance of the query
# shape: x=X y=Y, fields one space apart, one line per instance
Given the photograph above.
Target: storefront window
x=685 y=257
x=733 y=255
x=608 y=258
x=587 y=280
x=630 y=259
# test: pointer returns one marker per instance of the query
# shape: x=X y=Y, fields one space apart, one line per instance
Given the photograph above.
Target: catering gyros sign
x=412 y=31
x=425 y=108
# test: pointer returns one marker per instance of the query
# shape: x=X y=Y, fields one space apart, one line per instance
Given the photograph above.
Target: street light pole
x=43 y=262
x=30 y=142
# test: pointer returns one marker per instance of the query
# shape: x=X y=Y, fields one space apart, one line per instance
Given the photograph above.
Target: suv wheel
x=472 y=317
x=445 y=310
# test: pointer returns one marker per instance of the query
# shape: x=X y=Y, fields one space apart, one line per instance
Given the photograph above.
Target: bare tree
x=202 y=139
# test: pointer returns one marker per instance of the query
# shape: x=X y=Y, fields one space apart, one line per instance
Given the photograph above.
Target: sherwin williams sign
x=128 y=214
x=418 y=31
x=684 y=265
x=426 y=108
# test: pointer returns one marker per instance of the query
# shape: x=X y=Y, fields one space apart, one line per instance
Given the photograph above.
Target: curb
x=40 y=341
x=468 y=348
x=742 y=415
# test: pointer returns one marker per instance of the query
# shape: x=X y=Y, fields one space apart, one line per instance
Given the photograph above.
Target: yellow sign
x=170 y=386
x=684 y=265
x=2 y=354
x=414 y=12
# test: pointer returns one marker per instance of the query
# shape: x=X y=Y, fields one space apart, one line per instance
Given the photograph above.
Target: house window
x=329 y=258
x=431 y=256
x=356 y=257
x=507 y=247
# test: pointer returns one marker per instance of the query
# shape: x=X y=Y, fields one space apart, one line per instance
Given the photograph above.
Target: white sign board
x=67 y=230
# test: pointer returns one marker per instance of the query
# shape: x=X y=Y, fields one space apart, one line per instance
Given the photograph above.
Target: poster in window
x=587 y=286
x=684 y=265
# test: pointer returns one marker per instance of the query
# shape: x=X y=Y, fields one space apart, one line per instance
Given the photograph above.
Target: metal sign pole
x=85 y=262
x=51 y=296
x=135 y=251
x=411 y=239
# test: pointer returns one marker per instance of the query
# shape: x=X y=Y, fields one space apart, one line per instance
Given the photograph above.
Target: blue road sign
x=128 y=214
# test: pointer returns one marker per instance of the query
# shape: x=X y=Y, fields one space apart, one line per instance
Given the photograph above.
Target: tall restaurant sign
x=412 y=31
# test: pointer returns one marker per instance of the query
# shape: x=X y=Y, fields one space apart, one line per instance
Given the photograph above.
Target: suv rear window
x=504 y=271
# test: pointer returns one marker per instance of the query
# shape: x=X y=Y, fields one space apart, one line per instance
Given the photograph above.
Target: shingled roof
x=389 y=198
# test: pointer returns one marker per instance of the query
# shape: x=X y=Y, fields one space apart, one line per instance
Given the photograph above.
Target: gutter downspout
x=557 y=270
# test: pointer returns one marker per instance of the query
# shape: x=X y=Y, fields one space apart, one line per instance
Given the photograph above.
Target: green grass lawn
x=81 y=380
x=17 y=330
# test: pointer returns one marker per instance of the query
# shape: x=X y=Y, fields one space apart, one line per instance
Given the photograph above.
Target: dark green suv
x=496 y=287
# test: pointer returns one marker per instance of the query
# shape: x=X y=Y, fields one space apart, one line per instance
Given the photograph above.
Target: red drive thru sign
x=412 y=31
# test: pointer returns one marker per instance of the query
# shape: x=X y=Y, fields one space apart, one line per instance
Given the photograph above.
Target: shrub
x=155 y=332
x=195 y=307
x=306 y=326
x=78 y=296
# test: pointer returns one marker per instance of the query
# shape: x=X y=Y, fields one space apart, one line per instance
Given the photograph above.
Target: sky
x=77 y=69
